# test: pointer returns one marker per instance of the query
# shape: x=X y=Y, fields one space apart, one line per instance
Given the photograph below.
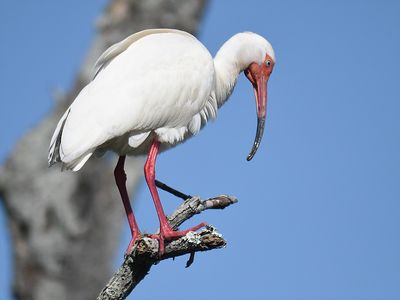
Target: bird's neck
x=228 y=64
x=226 y=75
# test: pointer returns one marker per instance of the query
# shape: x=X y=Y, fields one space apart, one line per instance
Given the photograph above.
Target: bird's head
x=259 y=60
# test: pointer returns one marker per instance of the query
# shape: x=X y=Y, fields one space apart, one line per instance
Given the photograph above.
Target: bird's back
x=161 y=81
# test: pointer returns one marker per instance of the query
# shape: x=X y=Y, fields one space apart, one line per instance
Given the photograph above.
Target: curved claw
x=168 y=235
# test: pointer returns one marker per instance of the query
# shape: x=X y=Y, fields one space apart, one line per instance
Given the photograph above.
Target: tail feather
x=54 y=148
x=76 y=164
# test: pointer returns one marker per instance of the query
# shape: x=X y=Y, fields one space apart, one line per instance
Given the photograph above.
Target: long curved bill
x=260 y=91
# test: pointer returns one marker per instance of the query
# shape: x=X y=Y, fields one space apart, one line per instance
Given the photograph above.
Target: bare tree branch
x=145 y=253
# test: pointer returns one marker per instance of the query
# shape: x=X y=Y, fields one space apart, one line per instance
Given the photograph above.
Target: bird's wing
x=160 y=81
x=121 y=46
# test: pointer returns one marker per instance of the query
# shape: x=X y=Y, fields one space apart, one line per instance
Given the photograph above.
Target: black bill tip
x=257 y=139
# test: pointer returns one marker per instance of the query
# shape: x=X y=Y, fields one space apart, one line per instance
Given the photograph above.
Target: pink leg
x=120 y=179
x=166 y=232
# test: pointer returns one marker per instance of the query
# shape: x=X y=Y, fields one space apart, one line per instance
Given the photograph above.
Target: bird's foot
x=168 y=234
x=135 y=237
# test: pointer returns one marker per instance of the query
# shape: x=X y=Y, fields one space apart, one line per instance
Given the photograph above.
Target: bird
x=150 y=92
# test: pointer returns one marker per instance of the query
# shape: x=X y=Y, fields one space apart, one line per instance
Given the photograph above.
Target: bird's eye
x=268 y=63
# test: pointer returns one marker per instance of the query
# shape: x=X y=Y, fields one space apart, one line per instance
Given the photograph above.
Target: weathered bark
x=146 y=251
x=57 y=220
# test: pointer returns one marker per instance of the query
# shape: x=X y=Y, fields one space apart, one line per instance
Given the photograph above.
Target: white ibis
x=154 y=90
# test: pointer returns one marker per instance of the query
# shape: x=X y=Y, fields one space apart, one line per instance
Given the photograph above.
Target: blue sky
x=321 y=199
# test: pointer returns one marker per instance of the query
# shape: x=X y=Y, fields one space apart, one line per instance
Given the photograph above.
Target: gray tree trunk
x=58 y=220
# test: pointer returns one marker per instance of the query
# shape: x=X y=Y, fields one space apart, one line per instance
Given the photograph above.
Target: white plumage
x=152 y=91
x=160 y=82
x=131 y=96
